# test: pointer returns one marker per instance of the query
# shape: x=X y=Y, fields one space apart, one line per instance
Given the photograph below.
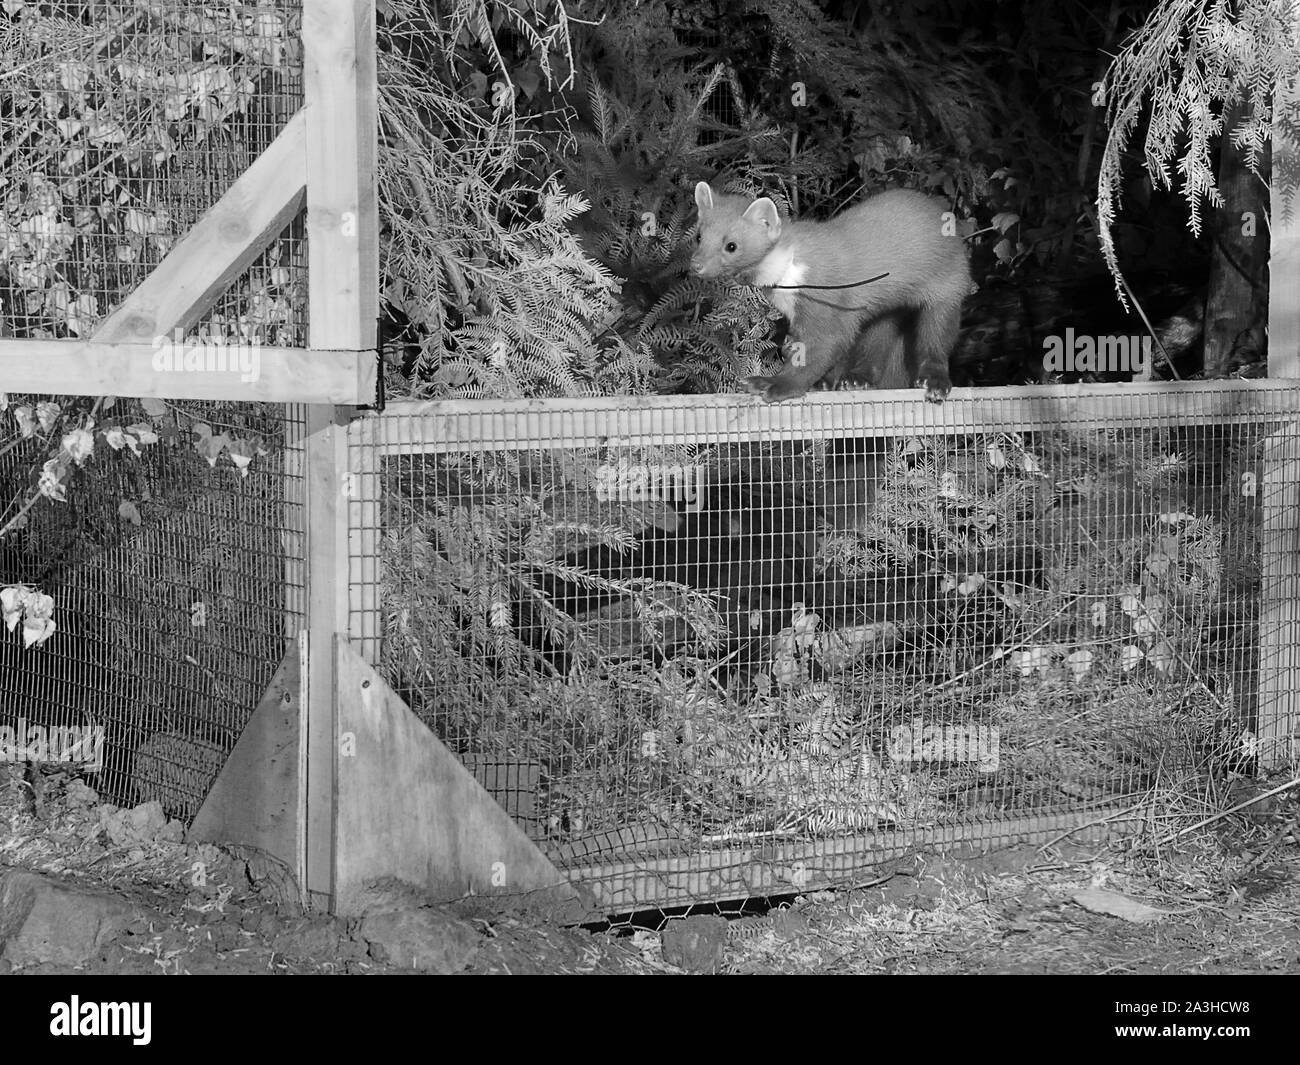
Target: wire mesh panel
x=705 y=649
x=169 y=569
x=123 y=124
x=169 y=580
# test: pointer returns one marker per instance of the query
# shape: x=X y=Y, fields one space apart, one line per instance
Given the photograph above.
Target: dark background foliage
x=991 y=105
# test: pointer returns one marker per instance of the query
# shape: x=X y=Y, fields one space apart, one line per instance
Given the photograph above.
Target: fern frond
x=1187 y=58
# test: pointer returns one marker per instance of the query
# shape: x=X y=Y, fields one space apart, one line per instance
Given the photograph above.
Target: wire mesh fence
x=704 y=649
x=174 y=606
x=698 y=649
x=122 y=125
x=175 y=580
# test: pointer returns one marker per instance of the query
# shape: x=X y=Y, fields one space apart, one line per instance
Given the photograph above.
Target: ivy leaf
x=241 y=454
x=210 y=447
x=1080 y=663
x=36 y=630
x=528 y=79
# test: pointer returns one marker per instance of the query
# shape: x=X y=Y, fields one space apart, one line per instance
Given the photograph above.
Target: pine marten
x=889 y=333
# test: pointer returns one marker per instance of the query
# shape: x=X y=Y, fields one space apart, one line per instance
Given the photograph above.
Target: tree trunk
x=1237 y=305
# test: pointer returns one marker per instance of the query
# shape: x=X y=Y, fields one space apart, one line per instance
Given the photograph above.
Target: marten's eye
x=699 y=237
x=731 y=247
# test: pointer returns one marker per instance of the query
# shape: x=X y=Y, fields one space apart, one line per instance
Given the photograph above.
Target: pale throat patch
x=778 y=267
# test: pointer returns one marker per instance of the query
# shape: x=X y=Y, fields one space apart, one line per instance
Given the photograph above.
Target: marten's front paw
x=936 y=388
x=771 y=389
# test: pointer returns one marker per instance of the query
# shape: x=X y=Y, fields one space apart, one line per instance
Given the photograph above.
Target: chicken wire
x=123 y=124
x=174 y=605
x=703 y=649
x=174 y=580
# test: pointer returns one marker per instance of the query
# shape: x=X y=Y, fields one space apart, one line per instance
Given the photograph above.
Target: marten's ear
x=704 y=197
x=762 y=212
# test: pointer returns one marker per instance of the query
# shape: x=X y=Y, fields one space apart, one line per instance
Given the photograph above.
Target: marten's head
x=734 y=233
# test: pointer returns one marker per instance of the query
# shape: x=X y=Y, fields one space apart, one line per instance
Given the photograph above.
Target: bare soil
x=1225 y=900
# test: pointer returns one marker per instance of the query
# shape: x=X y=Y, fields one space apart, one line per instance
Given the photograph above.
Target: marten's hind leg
x=879 y=357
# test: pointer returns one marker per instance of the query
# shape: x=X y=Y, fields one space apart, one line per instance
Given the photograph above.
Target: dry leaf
x=1113 y=904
